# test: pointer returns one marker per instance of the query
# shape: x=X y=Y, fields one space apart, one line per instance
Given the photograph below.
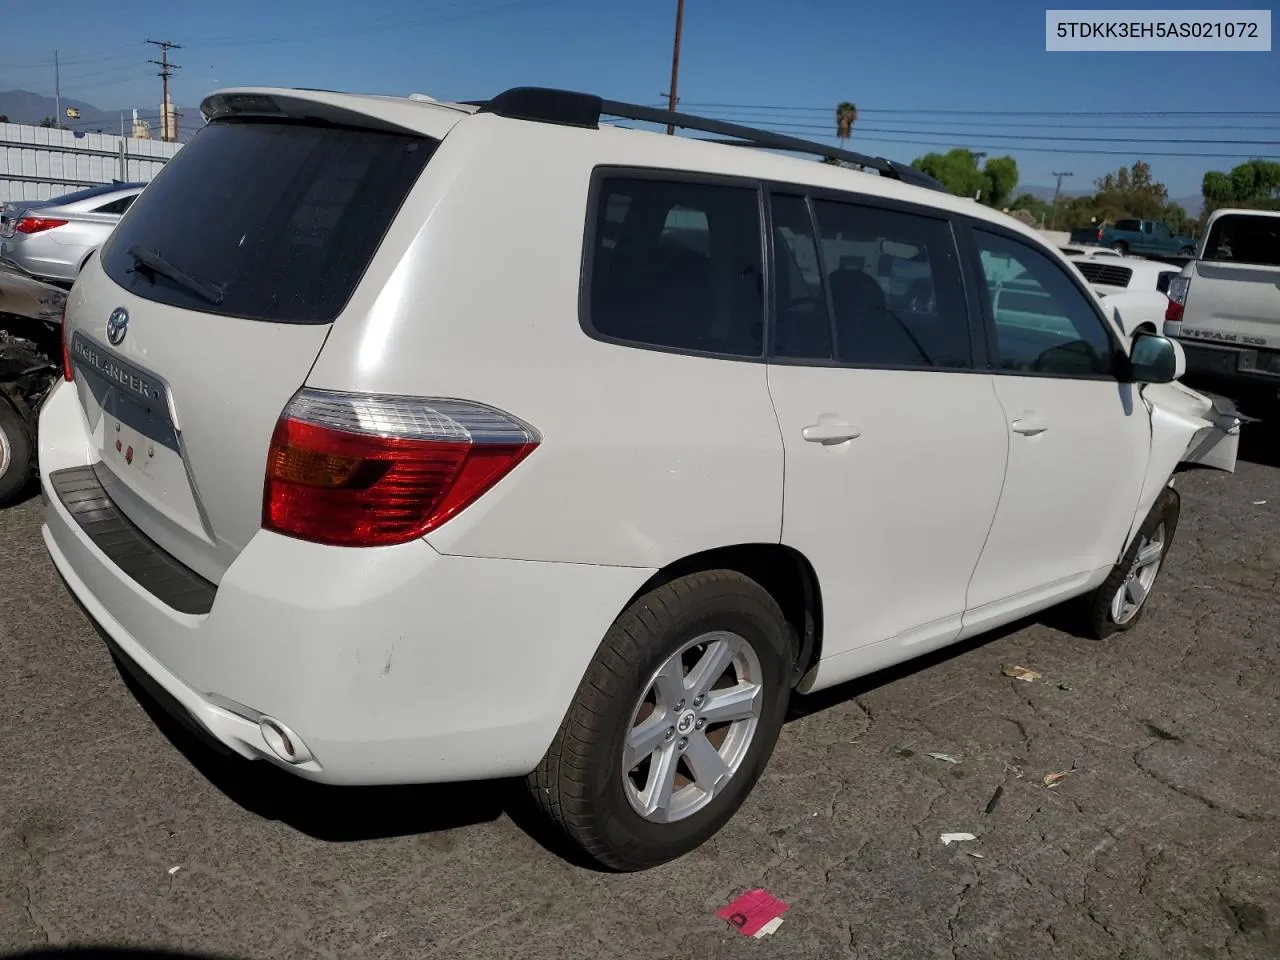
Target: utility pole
x=166 y=71
x=57 y=93
x=1056 y=191
x=675 y=65
x=978 y=157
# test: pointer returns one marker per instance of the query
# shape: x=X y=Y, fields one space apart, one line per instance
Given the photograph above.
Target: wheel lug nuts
x=697 y=701
x=679 y=706
x=684 y=742
x=702 y=722
x=671 y=732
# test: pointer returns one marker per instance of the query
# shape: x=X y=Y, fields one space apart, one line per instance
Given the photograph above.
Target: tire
x=1121 y=248
x=1163 y=518
x=1187 y=252
x=15 y=453
x=580 y=785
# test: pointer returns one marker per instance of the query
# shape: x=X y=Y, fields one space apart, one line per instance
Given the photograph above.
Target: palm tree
x=846 y=117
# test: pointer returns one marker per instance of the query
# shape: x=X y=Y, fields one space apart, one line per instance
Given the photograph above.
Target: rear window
x=280 y=219
x=1240 y=238
x=1133 y=226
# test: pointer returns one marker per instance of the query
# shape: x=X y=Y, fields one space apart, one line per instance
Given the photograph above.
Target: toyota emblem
x=117 y=326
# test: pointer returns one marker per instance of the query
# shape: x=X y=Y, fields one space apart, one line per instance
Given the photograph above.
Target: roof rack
x=569 y=108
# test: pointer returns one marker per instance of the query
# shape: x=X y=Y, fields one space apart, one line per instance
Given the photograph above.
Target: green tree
x=957 y=170
x=1253 y=184
x=4 y=118
x=1178 y=220
x=846 y=117
x=1038 y=208
x=1002 y=176
x=1131 y=192
x=48 y=122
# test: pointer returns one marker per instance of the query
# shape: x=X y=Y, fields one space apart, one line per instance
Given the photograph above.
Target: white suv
x=406 y=441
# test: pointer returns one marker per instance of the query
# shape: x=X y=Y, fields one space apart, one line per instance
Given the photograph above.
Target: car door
x=894 y=440
x=1079 y=436
x=1161 y=238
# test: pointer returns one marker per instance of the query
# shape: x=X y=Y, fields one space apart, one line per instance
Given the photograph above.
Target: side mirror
x=1156 y=359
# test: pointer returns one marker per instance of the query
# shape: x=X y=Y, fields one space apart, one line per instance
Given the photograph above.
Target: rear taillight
x=1177 y=294
x=67 y=372
x=362 y=471
x=1099 y=236
x=37 y=224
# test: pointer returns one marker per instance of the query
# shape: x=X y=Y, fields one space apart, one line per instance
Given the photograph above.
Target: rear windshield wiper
x=158 y=264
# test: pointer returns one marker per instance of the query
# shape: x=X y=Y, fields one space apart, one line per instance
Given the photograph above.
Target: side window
x=803 y=329
x=678 y=265
x=1044 y=324
x=116 y=206
x=896 y=287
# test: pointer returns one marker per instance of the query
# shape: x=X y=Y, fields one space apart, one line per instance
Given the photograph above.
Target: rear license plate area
x=136 y=424
x=133 y=429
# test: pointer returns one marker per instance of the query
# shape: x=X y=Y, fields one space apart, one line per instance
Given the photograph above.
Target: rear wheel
x=1119 y=603
x=673 y=723
x=1121 y=248
x=15 y=453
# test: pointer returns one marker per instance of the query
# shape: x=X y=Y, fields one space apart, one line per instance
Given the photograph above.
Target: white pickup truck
x=1224 y=307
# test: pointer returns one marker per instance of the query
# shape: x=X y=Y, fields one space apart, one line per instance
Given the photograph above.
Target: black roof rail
x=569 y=108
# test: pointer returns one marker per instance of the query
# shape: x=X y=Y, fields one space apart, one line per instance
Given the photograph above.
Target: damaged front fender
x=1209 y=423
x=1187 y=427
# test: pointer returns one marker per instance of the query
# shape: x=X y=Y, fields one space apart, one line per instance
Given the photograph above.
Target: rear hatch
x=210 y=303
x=1232 y=289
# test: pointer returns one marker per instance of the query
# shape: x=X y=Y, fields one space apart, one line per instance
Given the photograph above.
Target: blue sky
x=895 y=60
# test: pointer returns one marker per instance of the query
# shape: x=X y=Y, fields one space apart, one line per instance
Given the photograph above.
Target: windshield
x=1241 y=238
x=280 y=218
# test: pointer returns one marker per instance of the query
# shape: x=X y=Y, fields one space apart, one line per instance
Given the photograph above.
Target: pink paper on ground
x=752 y=911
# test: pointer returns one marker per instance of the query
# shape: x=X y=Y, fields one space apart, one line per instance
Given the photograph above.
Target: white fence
x=38 y=163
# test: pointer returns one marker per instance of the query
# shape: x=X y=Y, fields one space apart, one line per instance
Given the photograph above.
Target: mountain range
x=23 y=106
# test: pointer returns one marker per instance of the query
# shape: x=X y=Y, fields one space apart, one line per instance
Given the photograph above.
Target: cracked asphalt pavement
x=1161 y=841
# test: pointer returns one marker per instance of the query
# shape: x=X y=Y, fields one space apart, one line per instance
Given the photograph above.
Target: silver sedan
x=52 y=239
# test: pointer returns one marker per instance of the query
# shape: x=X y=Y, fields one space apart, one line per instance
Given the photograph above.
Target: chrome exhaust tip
x=284 y=743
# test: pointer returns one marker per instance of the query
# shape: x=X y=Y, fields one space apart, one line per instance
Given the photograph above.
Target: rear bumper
x=41 y=260
x=1231 y=363
x=392 y=665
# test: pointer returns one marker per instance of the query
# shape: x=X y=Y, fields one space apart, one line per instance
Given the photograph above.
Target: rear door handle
x=1029 y=426
x=830 y=433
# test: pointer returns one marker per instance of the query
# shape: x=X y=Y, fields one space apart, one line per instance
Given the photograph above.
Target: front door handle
x=829 y=433
x=1029 y=426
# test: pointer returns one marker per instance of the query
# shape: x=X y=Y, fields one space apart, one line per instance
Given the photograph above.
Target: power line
x=992 y=113
x=74 y=61
x=1138 y=153
x=1178 y=125
x=1024 y=136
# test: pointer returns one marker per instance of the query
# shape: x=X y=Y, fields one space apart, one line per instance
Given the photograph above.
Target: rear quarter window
x=676 y=266
x=282 y=218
